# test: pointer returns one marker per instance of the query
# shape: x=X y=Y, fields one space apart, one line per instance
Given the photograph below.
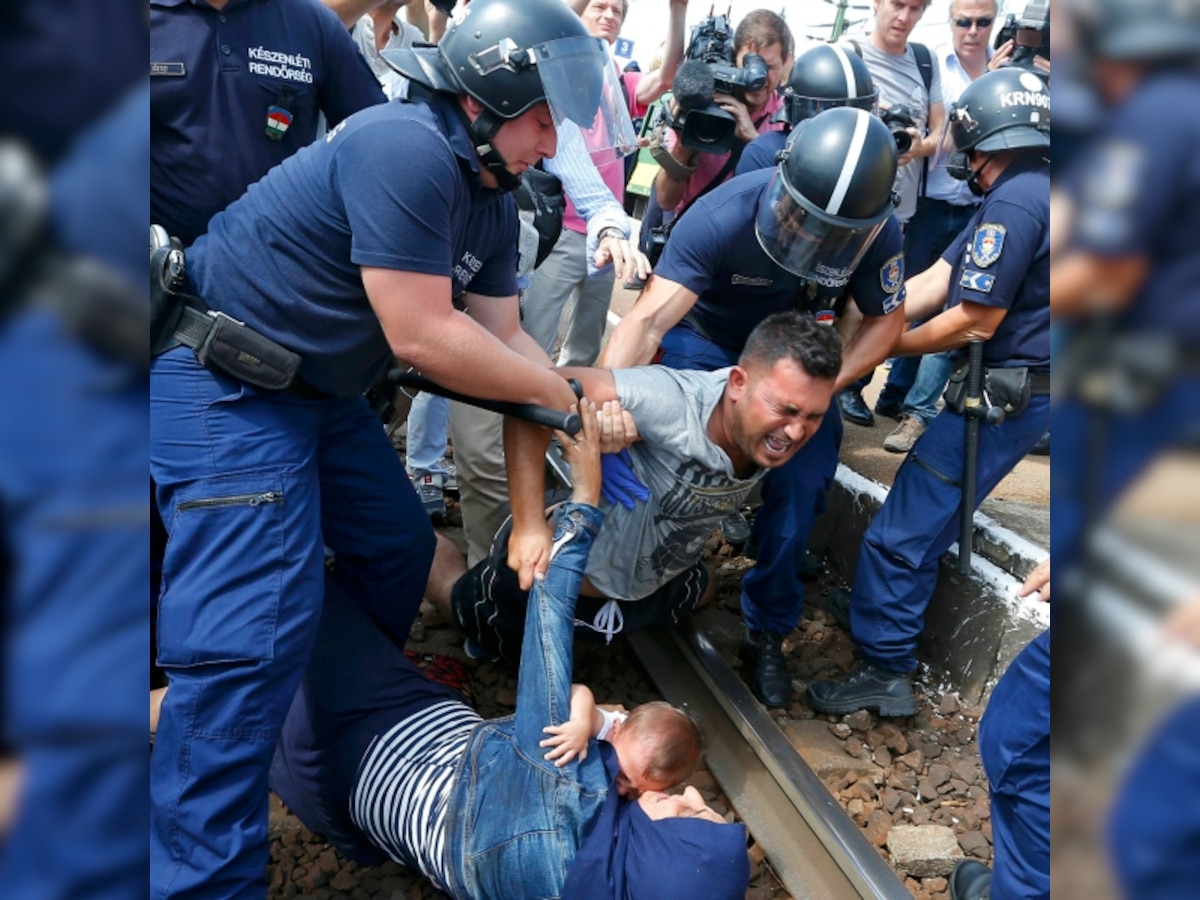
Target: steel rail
x=810 y=842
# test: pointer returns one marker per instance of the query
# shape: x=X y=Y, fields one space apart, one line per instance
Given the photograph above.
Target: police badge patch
x=891 y=274
x=987 y=244
x=977 y=281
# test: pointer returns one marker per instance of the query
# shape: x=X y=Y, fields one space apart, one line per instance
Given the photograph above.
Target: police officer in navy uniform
x=237 y=87
x=810 y=233
x=347 y=254
x=995 y=283
x=824 y=76
x=1128 y=273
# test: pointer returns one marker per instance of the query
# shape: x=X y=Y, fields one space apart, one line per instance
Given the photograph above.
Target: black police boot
x=970 y=880
x=1042 y=447
x=854 y=408
x=837 y=601
x=766 y=669
x=890 y=410
x=885 y=693
x=812 y=565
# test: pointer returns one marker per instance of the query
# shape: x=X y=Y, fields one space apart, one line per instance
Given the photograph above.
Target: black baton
x=974 y=409
x=530 y=412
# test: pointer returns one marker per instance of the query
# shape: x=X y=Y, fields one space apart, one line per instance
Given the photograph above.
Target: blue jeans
x=1014 y=746
x=925 y=377
x=911 y=380
x=428 y=423
x=898 y=563
x=514 y=817
x=793 y=497
x=252 y=485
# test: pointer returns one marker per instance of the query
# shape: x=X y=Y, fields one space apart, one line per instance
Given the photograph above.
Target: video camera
x=899 y=118
x=1029 y=32
x=708 y=68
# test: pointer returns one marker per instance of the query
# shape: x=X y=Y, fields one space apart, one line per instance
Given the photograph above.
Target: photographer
x=687 y=173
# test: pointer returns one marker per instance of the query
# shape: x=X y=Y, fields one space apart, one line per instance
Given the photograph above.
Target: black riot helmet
x=824 y=77
x=1007 y=109
x=831 y=194
x=1137 y=30
x=511 y=55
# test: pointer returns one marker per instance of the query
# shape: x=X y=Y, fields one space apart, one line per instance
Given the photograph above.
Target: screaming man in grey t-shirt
x=691 y=481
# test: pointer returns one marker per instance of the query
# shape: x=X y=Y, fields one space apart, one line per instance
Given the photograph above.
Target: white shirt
x=394 y=84
x=940 y=186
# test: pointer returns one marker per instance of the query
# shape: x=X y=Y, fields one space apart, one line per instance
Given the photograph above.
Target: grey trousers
x=561 y=276
x=478 y=438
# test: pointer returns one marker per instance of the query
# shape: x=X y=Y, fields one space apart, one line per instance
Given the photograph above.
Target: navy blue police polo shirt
x=286 y=257
x=1138 y=195
x=236 y=91
x=1002 y=259
x=760 y=153
x=714 y=252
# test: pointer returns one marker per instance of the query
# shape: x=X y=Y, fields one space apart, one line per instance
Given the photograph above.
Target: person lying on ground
x=387 y=764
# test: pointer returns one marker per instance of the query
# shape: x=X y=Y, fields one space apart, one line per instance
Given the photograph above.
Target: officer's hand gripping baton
x=530 y=412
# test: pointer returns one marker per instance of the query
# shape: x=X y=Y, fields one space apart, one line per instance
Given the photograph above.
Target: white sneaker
x=429 y=490
x=450 y=478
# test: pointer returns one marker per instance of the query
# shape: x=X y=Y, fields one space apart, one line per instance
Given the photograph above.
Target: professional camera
x=1029 y=32
x=708 y=69
x=897 y=119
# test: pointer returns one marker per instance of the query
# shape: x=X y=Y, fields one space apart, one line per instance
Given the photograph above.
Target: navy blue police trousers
x=898 y=563
x=252 y=486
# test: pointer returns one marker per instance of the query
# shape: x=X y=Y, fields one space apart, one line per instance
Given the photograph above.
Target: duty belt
x=218 y=340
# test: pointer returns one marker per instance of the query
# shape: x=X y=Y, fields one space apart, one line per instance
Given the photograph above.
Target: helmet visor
x=582 y=87
x=801 y=108
x=803 y=241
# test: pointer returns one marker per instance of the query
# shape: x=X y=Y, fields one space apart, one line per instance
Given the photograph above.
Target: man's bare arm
x=633 y=343
x=654 y=84
x=870 y=345
x=953 y=328
x=926 y=293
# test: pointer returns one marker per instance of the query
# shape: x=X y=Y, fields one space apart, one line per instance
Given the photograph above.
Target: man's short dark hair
x=797 y=336
x=762 y=28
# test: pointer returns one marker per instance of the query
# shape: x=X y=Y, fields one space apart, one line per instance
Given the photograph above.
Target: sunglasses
x=981 y=23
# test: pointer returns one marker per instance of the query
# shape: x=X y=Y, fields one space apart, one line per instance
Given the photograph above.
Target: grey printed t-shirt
x=898 y=79
x=691 y=482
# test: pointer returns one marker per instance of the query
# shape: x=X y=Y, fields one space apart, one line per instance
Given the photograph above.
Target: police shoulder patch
x=976 y=281
x=987 y=244
x=891 y=274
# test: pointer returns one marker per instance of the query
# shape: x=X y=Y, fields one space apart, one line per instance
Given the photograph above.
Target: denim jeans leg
x=900 y=379
x=428 y=422
x=932 y=375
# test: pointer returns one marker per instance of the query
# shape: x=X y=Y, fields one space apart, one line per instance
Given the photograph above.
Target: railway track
x=811 y=844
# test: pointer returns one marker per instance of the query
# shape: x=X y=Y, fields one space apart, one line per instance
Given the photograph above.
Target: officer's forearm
x=956 y=327
x=870 y=345
x=449 y=352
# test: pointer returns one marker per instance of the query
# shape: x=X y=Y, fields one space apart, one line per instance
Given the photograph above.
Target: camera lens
x=903 y=140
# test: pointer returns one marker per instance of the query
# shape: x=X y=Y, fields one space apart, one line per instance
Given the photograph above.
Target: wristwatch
x=610 y=232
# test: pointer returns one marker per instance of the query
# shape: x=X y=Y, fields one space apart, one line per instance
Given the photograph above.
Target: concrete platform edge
x=975 y=626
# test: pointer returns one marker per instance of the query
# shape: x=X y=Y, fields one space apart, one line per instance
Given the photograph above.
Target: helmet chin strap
x=959 y=167
x=482 y=131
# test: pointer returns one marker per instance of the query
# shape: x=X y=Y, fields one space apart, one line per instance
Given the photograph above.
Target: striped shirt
x=399 y=800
